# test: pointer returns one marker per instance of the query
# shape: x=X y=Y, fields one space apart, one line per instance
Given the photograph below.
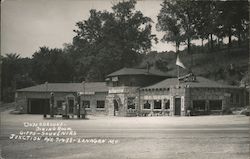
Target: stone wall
x=164 y=95
x=226 y=95
x=120 y=98
x=121 y=95
x=231 y=97
x=23 y=97
x=188 y=95
x=21 y=105
x=93 y=103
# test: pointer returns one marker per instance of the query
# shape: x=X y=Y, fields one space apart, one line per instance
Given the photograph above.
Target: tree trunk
x=221 y=43
x=177 y=47
x=229 y=39
x=177 y=52
x=190 y=53
x=218 y=43
x=202 y=45
x=212 y=42
x=239 y=37
x=208 y=43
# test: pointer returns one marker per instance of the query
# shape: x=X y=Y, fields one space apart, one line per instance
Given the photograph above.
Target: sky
x=27 y=25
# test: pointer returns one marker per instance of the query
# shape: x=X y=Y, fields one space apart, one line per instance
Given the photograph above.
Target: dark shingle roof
x=136 y=71
x=68 y=87
x=200 y=82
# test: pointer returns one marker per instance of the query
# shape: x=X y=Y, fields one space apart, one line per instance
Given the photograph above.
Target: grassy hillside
x=229 y=67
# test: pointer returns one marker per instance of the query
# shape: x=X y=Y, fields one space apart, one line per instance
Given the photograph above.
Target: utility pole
x=52 y=104
x=0 y=64
x=83 y=106
x=45 y=107
x=249 y=54
x=78 y=105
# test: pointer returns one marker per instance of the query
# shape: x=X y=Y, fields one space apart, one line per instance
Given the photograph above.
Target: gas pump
x=80 y=109
x=83 y=111
x=78 y=105
x=64 y=110
x=45 y=107
x=51 y=104
x=45 y=112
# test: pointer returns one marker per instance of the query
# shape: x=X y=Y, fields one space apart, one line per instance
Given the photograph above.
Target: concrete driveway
x=130 y=137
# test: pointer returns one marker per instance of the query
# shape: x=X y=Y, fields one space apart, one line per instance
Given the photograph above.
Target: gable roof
x=200 y=82
x=136 y=71
x=67 y=87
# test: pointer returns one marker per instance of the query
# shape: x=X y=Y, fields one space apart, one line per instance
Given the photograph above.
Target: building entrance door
x=71 y=105
x=116 y=108
x=177 y=106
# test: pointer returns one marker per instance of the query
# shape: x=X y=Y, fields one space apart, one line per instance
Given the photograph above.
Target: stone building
x=136 y=92
x=35 y=100
x=200 y=95
x=124 y=89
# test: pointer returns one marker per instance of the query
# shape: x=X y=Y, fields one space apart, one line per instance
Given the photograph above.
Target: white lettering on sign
x=55 y=132
x=119 y=90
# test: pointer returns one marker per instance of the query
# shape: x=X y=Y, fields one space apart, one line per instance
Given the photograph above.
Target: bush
x=227 y=111
x=245 y=111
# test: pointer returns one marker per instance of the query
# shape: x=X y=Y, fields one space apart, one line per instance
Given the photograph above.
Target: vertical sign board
x=182 y=103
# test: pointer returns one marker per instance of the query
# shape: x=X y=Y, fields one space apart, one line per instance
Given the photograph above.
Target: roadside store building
x=199 y=95
x=136 y=92
x=33 y=100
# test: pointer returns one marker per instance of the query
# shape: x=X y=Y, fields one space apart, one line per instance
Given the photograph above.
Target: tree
x=233 y=17
x=108 y=41
x=9 y=71
x=51 y=65
x=240 y=19
x=183 y=21
x=169 y=23
x=15 y=75
x=205 y=23
x=177 y=19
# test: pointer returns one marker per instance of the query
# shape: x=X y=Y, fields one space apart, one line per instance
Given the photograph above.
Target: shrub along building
x=135 y=92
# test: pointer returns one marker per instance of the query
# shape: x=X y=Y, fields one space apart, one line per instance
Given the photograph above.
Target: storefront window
x=131 y=102
x=237 y=98
x=247 y=98
x=86 y=103
x=232 y=98
x=167 y=104
x=146 y=105
x=199 y=105
x=215 y=104
x=157 y=104
x=100 y=104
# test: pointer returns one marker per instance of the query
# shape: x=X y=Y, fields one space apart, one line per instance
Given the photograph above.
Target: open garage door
x=38 y=106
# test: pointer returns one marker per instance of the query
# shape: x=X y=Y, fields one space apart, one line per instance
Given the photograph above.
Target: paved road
x=157 y=137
